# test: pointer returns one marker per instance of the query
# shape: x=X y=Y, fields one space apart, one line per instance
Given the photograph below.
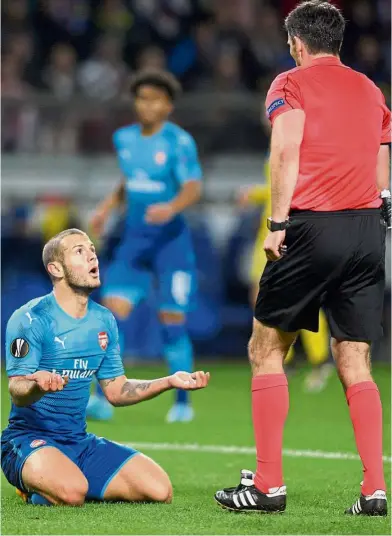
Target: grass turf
x=318 y=489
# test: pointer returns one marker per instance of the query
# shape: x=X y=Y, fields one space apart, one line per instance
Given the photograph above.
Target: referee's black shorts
x=334 y=260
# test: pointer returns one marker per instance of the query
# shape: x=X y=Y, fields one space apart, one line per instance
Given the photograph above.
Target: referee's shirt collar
x=325 y=60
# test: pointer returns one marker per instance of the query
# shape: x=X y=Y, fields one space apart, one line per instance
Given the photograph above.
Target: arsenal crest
x=160 y=158
x=37 y=443
x=103 y=339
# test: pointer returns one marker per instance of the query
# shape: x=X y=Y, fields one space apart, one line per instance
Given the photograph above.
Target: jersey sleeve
x=187 y=166
x=24 y=339
x=284 y=95
x=112 y=365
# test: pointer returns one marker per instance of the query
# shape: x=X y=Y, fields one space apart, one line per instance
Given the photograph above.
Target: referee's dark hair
x=156 y=78
x=319 y=24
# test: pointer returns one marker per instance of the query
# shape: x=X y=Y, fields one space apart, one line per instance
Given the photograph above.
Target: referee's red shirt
x=346 y=122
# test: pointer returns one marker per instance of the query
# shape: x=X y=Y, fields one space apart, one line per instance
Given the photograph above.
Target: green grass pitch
x=318 y=489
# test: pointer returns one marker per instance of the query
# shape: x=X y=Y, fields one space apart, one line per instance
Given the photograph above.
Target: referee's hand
x=274 y=245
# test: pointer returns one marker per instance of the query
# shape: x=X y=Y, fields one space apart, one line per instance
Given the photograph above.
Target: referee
x=330 y=209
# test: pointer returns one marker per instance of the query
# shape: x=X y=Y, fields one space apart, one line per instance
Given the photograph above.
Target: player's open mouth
x=94 y=271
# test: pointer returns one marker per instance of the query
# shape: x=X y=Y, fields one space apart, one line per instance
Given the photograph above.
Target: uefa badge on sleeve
x=103 y=340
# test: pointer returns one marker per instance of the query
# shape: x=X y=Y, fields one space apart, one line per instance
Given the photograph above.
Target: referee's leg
x=363 y=398
x=268 y=348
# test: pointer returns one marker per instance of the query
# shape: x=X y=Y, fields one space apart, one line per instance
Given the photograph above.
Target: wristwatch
x=277 y=226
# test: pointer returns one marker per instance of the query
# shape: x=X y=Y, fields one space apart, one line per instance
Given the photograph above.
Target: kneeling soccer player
x=55 y=344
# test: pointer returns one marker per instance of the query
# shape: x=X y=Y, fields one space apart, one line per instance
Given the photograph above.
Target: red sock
x=366 y=415
x=270 y=405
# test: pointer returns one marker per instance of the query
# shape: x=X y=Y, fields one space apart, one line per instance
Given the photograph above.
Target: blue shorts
x=97 y=458
x=165 y=258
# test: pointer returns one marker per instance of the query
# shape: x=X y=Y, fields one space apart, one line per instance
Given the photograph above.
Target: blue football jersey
x=42 y=336
x=154 y=167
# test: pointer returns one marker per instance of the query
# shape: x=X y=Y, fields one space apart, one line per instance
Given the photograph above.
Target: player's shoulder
x=126 y=133
x=102 y=312
x=35 y=310
x=177 y=134
x=283 y=78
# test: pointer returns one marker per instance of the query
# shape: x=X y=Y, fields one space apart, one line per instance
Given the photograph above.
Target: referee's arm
x=383 y=168
x=286 y=139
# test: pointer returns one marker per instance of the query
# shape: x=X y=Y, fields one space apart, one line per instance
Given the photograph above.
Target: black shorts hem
x=284 y=326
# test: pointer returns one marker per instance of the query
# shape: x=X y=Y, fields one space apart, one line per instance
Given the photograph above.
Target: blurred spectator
x=228 y=70
x=361 y=20
x=114 y=16
x=151 y=58
x=104 y=74
x=88 y=47
x=15 y=15
x=269 y=41
x=12 y=83
x=369 y=60
x=59 y=77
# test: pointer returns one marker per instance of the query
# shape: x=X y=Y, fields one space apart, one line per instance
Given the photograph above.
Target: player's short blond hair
x=53 y=250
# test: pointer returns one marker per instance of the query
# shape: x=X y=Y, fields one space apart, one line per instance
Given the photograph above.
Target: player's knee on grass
x=140 y=480
x=72 y=493
x=352 y=361
x=120 y=307
x=267 y=349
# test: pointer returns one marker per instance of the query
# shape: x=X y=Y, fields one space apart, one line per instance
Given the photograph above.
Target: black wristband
x=274 y=226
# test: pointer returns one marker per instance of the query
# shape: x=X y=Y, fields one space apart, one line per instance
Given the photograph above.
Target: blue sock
x=38 y=499
x=178 y=353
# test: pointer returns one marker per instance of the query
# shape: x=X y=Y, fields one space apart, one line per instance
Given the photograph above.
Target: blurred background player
x=315 y=345
x=161 y=178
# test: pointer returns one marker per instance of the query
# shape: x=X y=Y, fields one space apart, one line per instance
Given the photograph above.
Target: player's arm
x=113 y=201
x=121 y=391
x=24 y=336
x=188 y=174
x=25 y=390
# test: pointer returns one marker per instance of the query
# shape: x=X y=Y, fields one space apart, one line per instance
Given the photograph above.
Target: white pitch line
x=225 y=449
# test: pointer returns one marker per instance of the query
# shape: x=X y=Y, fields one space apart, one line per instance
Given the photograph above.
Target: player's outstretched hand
x=159 y=213
x=48 y=381
x=190 y=380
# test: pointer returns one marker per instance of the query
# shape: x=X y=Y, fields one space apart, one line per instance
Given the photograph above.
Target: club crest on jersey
x=19 y=348
x=103 y=339
x=37 y=443
x=160 y=158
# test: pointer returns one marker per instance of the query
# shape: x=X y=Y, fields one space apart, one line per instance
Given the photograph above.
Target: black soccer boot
x=370 y=505
x=247 y=498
